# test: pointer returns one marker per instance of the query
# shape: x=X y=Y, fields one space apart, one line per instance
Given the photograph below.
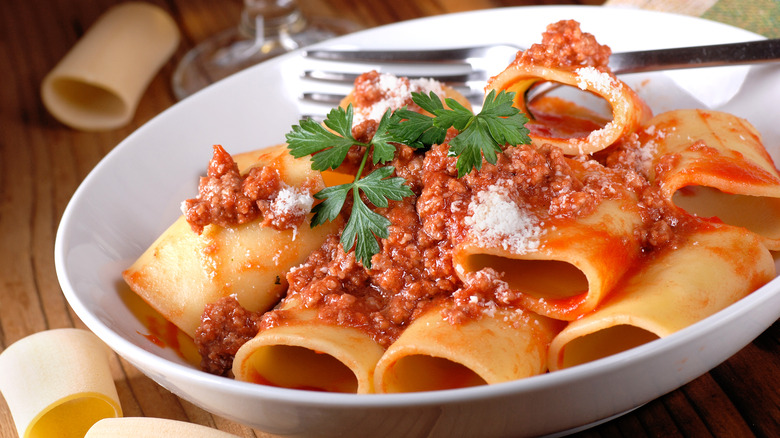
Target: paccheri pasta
x=599 y=235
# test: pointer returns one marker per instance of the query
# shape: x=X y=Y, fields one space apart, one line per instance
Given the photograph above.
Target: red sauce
x=163 y=333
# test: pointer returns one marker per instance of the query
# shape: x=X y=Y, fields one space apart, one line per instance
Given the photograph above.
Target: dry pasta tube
x=717 y=266
x=306 y=353
x=575 y=265
x=58 y=383
x=148 y=427
x=628 y=110
x=98 y=84
x=433 y=354
x=183 y=271
x=714 y=164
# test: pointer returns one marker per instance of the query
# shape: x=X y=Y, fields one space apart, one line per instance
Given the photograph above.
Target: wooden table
x=42 y=162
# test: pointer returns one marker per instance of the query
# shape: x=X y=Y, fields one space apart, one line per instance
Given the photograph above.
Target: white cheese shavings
x=395 y=94
x=496 y=220
x=595 y=79
x=291 y=201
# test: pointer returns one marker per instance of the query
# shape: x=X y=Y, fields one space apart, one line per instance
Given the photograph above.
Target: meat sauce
x=414 y=269
x=228 y=198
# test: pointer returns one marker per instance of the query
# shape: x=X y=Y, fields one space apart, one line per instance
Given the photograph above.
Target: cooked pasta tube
x=628 y=110
x=307 y=353
x=714 y=164
x=561 y=271
x=498 y=346
x=714 y=267
x=58 y=383
x=182 y=270
x=149 y=427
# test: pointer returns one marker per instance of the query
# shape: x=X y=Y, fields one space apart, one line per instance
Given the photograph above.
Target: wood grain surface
x=42 y=162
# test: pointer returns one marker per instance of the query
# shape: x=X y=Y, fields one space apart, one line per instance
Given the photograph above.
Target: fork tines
x=329 y=74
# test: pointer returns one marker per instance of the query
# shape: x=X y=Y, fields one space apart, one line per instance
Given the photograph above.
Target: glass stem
x=268 y=19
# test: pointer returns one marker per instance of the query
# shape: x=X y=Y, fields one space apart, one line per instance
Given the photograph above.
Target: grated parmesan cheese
x=293 y=202
x=600 y=81
x=395 y=92
x=290 y=201
x=496 y=220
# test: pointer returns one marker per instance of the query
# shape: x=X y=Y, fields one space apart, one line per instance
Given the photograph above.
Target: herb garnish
x=499 y=123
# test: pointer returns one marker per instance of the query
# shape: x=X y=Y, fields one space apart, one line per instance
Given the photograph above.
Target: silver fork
x=468 y=68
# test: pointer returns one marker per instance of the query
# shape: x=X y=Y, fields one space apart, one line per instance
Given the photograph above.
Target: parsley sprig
x=329 y=149
x=481 y=135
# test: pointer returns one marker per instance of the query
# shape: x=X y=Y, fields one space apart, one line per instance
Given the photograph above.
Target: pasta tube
x=570 y=267
x=433 y=354
x=58 y=383
x=306 y=353
x=149 y=427
x=182 y=271
x=628 y=110
x=713 y=164
x=98 y=84
x=673 y=290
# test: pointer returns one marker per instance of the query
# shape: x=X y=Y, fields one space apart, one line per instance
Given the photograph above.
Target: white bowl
x=134 y=194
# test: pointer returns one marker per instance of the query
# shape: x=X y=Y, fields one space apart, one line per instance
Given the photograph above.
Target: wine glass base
x=231 y=51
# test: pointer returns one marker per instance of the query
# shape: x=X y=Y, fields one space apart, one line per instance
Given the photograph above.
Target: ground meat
x=564 y=44
x=662 y=222
x=225 y=326
x=228 y=198
x=481 y=292
x=406 y=275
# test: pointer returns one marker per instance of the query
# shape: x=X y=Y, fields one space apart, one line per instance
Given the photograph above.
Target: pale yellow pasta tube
x=149 y=427
x=306 y=353
x=58 y=383
x=498 y=346
x=98 y=84
x=714 y=164
x=714 y=267
x=182 y=271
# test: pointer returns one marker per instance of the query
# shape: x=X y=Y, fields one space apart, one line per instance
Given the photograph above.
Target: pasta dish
x=597 y=234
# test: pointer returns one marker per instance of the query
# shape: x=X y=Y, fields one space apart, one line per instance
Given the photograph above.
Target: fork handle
x=751 y=52
x=458 y=55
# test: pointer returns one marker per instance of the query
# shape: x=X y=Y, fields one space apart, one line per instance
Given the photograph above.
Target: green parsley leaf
x=483 y=134
x=329 y=149
x=333 y=200
x=378 y=188
x=362 y=230
x=415 y=130
x=340 y=120
x=502 y=119
x=384 y=150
